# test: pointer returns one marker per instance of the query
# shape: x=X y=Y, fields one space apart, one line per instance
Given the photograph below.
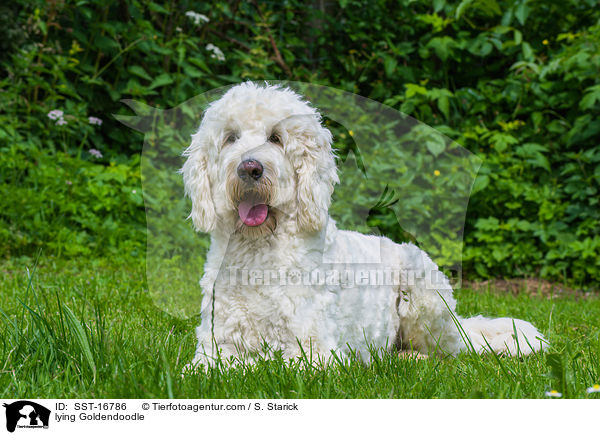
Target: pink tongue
x=252 y=214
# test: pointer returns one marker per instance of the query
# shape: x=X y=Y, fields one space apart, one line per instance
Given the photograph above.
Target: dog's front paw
x=192 y=369
x=200 y=364
x=412 y=355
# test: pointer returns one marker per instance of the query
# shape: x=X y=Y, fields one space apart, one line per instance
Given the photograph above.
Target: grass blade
x=81 y=337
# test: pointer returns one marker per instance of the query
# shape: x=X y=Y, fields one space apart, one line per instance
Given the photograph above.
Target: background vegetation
x=514 y=81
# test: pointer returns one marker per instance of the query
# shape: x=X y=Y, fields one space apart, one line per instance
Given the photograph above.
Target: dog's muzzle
x=252 y=209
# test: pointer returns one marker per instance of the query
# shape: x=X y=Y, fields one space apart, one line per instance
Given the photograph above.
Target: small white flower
x=216 y=52
x=94 y=121
x=553 y=393
x=134 y=191
x=58 y=116
x=95 y=153
x=55 y=114
x=69 y=182
x=197 y=17
x=593 y=389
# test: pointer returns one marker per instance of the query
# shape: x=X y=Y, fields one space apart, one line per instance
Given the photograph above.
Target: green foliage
x=67 y=201
x=514 y=81
x=11 y=34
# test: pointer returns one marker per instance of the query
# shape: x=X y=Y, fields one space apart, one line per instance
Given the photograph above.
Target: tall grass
x=91 y=330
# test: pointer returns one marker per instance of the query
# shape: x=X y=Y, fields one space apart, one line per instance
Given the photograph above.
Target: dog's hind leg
x=428 y=323
x=503 y=335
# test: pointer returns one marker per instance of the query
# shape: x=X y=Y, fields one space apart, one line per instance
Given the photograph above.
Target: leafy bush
x=514 y=81
x=68 y=202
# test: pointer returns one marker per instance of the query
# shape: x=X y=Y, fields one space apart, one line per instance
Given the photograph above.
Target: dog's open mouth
x=253 y=211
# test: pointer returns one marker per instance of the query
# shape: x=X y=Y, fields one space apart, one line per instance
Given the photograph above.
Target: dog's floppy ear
x=197 y=185
x=317 y=174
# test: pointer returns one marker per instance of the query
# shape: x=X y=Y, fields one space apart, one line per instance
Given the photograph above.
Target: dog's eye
x=231 y=138
x=274 y=138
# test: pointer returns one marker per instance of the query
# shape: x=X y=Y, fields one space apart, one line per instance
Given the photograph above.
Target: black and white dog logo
x=26 y=414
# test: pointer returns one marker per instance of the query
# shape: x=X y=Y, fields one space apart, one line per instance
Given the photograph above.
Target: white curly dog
x=280 y=276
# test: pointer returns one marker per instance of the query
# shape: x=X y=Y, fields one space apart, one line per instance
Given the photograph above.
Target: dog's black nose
x=250 y=169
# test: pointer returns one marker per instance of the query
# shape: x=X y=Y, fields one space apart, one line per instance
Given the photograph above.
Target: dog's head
x=261 y=158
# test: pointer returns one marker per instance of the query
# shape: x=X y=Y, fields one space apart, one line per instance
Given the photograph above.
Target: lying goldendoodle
x=260 y=172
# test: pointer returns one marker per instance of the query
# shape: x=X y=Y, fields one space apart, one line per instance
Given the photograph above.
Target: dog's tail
x=502 y=335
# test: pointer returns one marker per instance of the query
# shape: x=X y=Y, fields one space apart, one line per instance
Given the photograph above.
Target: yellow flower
x=436 y=173
x=545 y=42
x=75 y=48
x=553 y=393
x=593 y=389
x=350 y=132
x=511 y=125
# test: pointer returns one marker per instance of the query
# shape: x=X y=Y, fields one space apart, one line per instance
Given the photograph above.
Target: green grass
x=90 y=329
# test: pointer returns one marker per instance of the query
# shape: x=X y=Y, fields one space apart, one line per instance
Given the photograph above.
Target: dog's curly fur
x=258 y=273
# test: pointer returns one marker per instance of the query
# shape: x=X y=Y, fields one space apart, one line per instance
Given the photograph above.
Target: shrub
x=514 y=81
